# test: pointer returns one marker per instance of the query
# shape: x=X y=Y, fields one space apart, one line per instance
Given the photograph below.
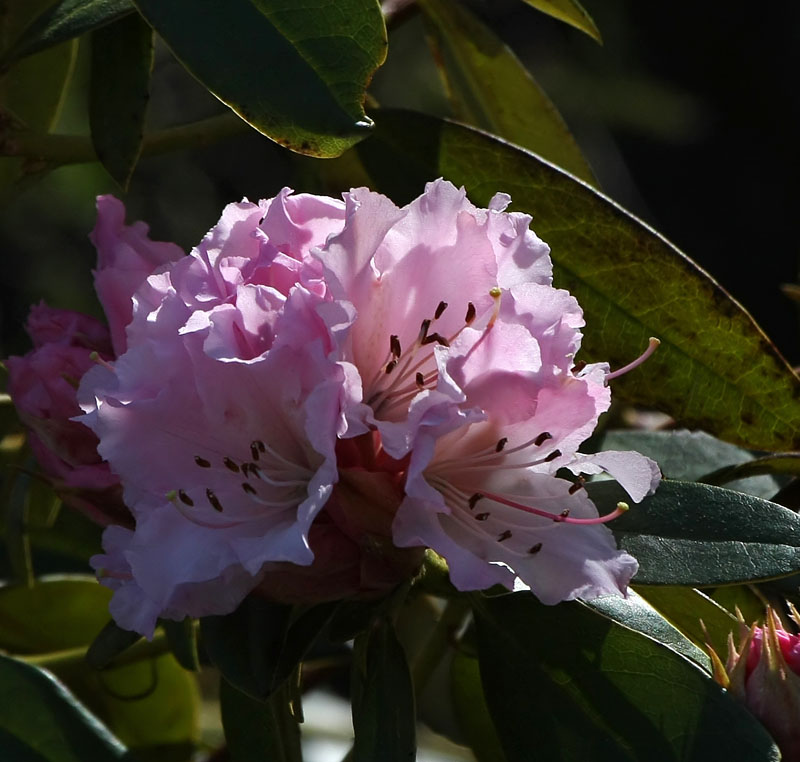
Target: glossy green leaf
x=384 y=715
x=256 y=731
x=703 y=536
x=786 y=463
x=687 y=608
x=690 y=455
x=299 y=72
x=41 y=721
x=569 y=11
x=491 y=89
x=471 y=710
x=61 y=21
x=635 y=612
x=563 y=682
x=122 y=60
x=715 y=369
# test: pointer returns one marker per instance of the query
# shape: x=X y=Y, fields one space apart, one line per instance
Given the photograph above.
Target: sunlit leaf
x=299 y=71
x=698 y=535
x=491 y=89
x=715 y=369
x=122 y=59
x=61 y=21
x=384 y=718
x=563 y=682
x=569 y=11
x=41 y=721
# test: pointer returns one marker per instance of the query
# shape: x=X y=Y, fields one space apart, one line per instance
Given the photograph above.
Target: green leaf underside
x=256 y=731
x=63 y=21
x=703 y=536
x=122 y=60
x=41 y=721
x=384 y=714
x=569 y=11
x=690 y=455
x=714 y=370
x=300 y=71
x=491 y=89
x=563 y=682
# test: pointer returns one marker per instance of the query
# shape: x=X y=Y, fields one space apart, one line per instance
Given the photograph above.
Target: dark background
x=689 y=114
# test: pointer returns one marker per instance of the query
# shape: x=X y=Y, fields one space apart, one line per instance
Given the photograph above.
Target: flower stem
x=78 y=149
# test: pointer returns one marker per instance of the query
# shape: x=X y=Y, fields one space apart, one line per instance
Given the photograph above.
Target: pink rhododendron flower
x=321 y=390
x=43 y=386
x=764 y=673
x=464 y=352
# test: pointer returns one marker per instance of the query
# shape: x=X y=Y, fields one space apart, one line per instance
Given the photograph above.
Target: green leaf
x=384 y=715
x=689 y=455
x=63 y=21
x=182 y=639
x=786 y=463
x=491 y=89
x=296 y=72
x=122 y=60
x=686 y=608
x=715 y=369
x=563 y=682
x=569 y=11
x=41 y=721
x=255 y=730
x=471 y=710
x=702 y=536
x=635 y=612
x=109 y=644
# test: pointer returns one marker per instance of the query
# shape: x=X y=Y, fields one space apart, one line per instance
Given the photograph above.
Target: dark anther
x=503 y=536
x=437 y=338
x=501 y=443
x=214 y=500
x=185 y=498
x=390 y=366
x=254 y=451
x=579 y=366
x=394 y=346
x=578 y=485
x=420 y=379
x=423 y=329
x=552 y=456
x=439 y=310
x=481 y=516
x=542 y=438
x=470 y=313
x=563 y=515
x=248 y=488
x=535 y=548
x=230 y=465
x=202 y=462
x=261 y=446
x=473 y=501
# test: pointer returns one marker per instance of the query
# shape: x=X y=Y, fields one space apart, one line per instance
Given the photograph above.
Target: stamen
x=578 y=367
x=563 y=517
x=542 y=438
x=231 y=465
x=423 y=330
x=390 y=366
x=254 y=451
x=501 y=443
x=534 y=549
x=473 y=501
x=202 y=462
x=95 y=357
x=482 y=516
x=420 y=379
x=439 y=310
x=214 y=500
x=185 y=499
x=471 y=312
x=394 y=345
x=435 y=337
x=578 y=485
x=552 y=456
x=651 y=347
x=503 y=536
x=248 y=488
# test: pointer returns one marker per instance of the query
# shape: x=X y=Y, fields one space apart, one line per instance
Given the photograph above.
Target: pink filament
x=557 y=517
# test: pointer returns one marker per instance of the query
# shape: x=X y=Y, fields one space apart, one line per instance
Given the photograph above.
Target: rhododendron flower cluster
x=321 y=389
